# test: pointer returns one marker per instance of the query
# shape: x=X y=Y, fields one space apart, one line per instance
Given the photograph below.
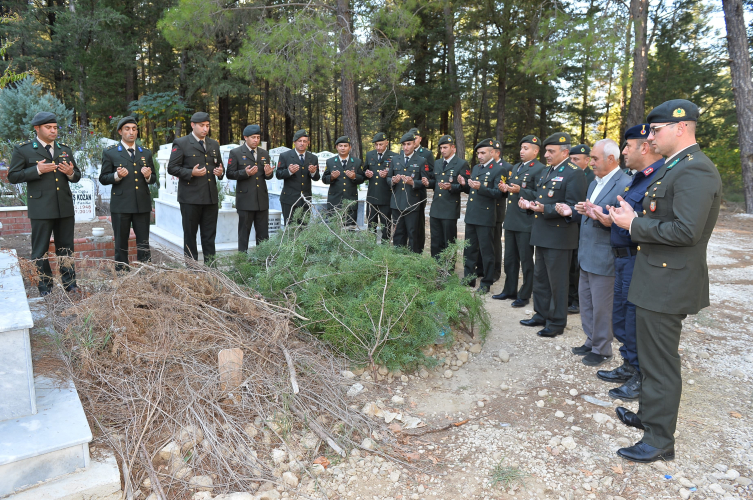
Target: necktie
x=202 y=146
x=301 y=158
x=253 y=158
x=380 y=158
x=444 y=167
x=49 y=149
x=131 y=152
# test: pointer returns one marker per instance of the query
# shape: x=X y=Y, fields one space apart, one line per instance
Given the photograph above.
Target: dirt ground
x=22 y=242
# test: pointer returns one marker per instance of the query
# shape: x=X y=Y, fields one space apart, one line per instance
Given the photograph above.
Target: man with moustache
x=297 y=167
x=379 y=193
x=445 y=205
x=409 y=176
x=343 y=173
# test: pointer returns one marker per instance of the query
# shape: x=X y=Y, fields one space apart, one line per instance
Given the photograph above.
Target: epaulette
x=574 y=167
x=63 y=144
x=110 y=147
x=24 y=143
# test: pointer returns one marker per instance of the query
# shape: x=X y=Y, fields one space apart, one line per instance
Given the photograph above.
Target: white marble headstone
x=83 y=199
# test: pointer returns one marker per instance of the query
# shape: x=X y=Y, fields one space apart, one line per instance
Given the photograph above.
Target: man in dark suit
x=197 y=163
x=409 y=176
x=47 y=167
x=249 y=165
x=297 y=168
x=129 y=169
x=554 y=235
x=445 y=205
x=580 y=157
x=481 y=213
x=521 y=184
x=343 y=173
x=670 y=279
x=378 y=196
x=429 y=156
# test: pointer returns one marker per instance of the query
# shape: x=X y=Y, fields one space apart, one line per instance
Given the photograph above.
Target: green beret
x=200 y=117
x=407 y=137
x=43 y=118
x=580 y=149
x=558 y=138
x=446 y=139
x=343 y=139
x=415 y=131
x=299 y=134
x=486 y=143
x=676 y=110
x=530 y=139
x=380 y=136
x=125 y=120
x=251 y=130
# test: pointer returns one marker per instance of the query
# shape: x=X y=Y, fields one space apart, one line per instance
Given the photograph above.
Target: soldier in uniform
x=409 y=176
x=250 y=166
x=501 y=205
x=483 y=191
x=445 y=206
x=521 y=184
x=580 y=156
x=670 y=279
x=429 y=156
x=343 y=174
x=47 y=167
x=378 y=196
x=298 y=167
x=197 y=163
x=554 y=235
x=128 y=168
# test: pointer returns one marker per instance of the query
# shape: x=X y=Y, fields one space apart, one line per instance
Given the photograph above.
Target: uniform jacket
x=379 y=192
x=446 y=204
x=48 y=195
x=525 y=175
x=502 y=202
x=250 y=192
x=682 y=204
x=342 y=188
x=429 y=156
x=186 y=154
x=481 y=209
x=633 y=195
x=300 y=182
x=405 y=197
x=565 y=183
x=130 y=194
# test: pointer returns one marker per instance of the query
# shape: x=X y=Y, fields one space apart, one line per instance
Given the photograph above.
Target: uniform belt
x=624 y=251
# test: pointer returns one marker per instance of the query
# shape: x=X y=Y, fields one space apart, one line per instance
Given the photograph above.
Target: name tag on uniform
x=558 y=179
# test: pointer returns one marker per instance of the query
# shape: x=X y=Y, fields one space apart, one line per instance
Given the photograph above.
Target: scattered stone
x=543 y=393
x=685 y=482
x=743 y=481
x=704 y=355
x=347 y=374
x=269 y=495
x=720 y=467
x=475 y=348
x=595 y=401
x=559 y=414
x=691 y=382
x=203 y=495
x=601 y=418
x=462 y=356
x=684 y=494
x=169 y=451
x=290 y=479
x=182 y=473
x=191 y=435
x=716 y=488
x=368 y=444
x=480 y=404
x=540 y=403
x=731 y=475
x=421 y=488
x=355 y=390
x=309 y=441
x=318 y=469
x=279 y=456
x=153 y=496
x=738 y=373
x=398 y=400
x=383 y=371
x=229 y=496
x=412 y=422
x=569 y=443
x=372 y=410
x=504 y=387
x=147 y=483
x=389 y=416
x=201 y=483
x=748 y=358
x=504 y=356
x=607 y=481
x=586 y=486
x=403 y=378
x=423 y=373
x=395 y=476
x=358 y=371
x=448 y=374
x=573 y=392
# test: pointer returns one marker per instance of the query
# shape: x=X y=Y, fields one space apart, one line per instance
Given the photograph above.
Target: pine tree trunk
x=350 y=123
x=457 y=108
x=742 y=87
x=639 y=16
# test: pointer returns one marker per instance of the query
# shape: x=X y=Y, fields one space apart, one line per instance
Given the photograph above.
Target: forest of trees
x=474 y=69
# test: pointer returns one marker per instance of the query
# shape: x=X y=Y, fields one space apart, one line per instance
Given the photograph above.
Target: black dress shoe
x=502 y=296
x=643 y=453
x=531 y=322
x=581 y=351
x=519 y=303
x=573 y=309
x=628 y=391
x=593 y=359
x=621 y=374
x=628 y=418
x=546 y=332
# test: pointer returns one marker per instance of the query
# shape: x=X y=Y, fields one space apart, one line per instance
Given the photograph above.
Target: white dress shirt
x=600 y=183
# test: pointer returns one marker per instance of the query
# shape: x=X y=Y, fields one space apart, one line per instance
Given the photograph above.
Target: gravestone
x=83 y=199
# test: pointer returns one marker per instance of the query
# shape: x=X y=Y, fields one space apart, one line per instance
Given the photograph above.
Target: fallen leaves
x=617 y=469
x=322 y=461
x=735 y=414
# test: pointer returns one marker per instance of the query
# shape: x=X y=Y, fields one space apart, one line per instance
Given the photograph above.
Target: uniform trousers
x=498 y=250
x=443 y=233
x=259 y=219
x=381 y=214
x=574 y=276
x=41 y=230
x=518 y=253
x=623 y=313
x=479 y=240
x=406 y=229
x=596 y=303
x=195 y=217
x=121 y=227
x=550 y=283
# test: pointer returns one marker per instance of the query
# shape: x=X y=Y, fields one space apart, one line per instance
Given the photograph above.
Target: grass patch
x=507 y=476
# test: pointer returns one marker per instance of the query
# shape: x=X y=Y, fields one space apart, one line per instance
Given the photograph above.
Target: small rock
x=153 y=496
x=685 y=482
x=355 y=390
x=607 y=481
x=202 y=495
x=684 y=494
x=182 y=473
x=423 y=373
x=448 y=374
x=230 y=496
x=269 y=495
x=568 y=442
x=738 y=373
x=372 y=410
x=623 y=442
x=543 y=393
x=201 y=483
x=743 y=481
x=348 y=374
x=395 y=476
x=318 y=469
x=398 y=400
x=403 y=378
x=358 y=371
x=309 y=441
x=389 y=416
x=383 y=371
x=720 y=467
x=504 y=356
x=290 y=479
x=475 y=348
x=540 y=403
x=480 y=404
x=421 y=488
x=586 y=486
x=748 y=358
x=504 y=387
x=601 y=418
x=731 y=475
x=716 y=488
x=704 y=355
x=573 y=392
x=691 y=382
x=368 y=444
x=463 y=356
x=559 y=414
x=279 y=456
x=147 y=483
x=169 y=451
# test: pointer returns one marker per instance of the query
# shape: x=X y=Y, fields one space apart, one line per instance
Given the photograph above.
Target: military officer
x=501 y=205
x=343 y=173
x=376 y=167
x=429 y=156
x=554 y=236
x=481 y=213
x=129 y=169
x=250 y=166
x=580 y=156
x=47 y=167
x=409 y=176
x=297 y=167
x=670 y=279
x=445 y=205
x=521 y=184
x=197 y=163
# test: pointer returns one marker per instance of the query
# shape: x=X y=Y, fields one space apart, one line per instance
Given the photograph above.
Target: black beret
x=125 y=120
x=558 y=138
x=251 y=130
x=43 y=118
x=380 y=136
x=343 y=139
x=676 y=110
x=486 y=143
x=497 y=145
x=580 y=149
x=414 y=131
x=200 y=117
x=637 y=132
x=299 y=134
x=408 y=136
x=446 y=139
x=530 y=139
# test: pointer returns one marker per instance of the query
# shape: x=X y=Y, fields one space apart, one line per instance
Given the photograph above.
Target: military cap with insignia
x=343 y=139
x=299 y=134
x=408 y=136
x=125 y=120
x=497 y=145
x=446 y=139
x=251 y=130
x=676 y=110
x=637 y=132
x=558 y=138
x=530 y=139
x=580 y=149
x=380 y=136
x=200 y=117
x=415 y=131
x=486 y=143
x=43 y=118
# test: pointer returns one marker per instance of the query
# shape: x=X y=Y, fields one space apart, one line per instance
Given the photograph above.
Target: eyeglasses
x=652 y=130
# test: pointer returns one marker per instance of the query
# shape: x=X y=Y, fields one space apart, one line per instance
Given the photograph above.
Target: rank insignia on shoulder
x=141 y=150
x=120 y=148
x=24 y=143
x=573 y=167
x=35 y=145
x=627 y=189
x=563 y=168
